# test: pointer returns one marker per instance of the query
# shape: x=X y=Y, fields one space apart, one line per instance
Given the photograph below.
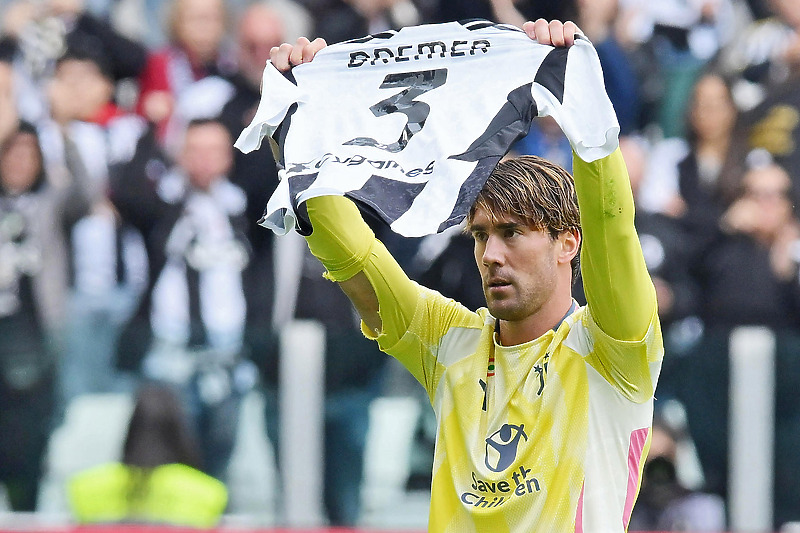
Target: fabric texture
x=394 y=120
x=549 y=435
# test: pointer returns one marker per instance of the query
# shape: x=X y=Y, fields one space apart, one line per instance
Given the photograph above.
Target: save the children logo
x=501 y=446
x=501 y=453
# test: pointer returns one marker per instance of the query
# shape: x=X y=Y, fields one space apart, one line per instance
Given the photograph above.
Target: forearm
x=617 y=284
x=382 y=293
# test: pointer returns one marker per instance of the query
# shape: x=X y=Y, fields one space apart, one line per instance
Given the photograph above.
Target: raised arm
x=381 y=292
x=617 y=284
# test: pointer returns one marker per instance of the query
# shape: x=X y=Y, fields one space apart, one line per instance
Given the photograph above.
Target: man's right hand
x=286 y=56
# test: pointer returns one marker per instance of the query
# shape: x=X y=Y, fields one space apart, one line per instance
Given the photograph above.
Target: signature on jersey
x=357 y=160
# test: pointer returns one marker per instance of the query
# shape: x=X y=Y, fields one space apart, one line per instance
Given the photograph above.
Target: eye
x=480 y=236
x=510 y=232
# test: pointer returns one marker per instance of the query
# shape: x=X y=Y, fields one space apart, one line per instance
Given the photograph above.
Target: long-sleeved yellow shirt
x=549 y=435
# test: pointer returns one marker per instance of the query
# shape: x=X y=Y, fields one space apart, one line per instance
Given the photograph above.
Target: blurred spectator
x=505 y=11
x=35 y=210
x=664 y=504
x=157 y=480
x=260 y=28
x=189 y=327
x=197 y=48
x=37 y=33
x=695 y=179
x=748 y=275
x=296 y=18
x=354 y=370
x=342 y=20
x=709 y=174
x=760 y=232
x=108 y=264
x=596 y=18
x=766 y=54
x=675 y=39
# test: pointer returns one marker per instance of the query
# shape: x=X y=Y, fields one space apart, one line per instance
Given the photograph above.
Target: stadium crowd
x=130 y=252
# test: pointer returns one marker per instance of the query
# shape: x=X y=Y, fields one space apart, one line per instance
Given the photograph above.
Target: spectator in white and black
x=189 y=328
x=35 y=210
x=36 y=34
x=107 y=257
x=767 y=54
x=260 y=28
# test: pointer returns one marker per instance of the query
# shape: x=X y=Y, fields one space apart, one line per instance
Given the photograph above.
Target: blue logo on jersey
x=501 y=447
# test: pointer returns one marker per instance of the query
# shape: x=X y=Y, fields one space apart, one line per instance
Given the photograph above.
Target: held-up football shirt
x=410 y=123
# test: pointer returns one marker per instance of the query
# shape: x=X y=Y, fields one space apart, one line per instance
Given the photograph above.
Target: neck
x=514 y=332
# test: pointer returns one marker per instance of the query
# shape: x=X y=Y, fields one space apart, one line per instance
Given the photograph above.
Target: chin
x=505 y=312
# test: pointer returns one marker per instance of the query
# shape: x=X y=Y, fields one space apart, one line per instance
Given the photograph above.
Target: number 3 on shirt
x=415 y=83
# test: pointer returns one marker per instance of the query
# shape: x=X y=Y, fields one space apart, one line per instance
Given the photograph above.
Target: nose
x=493 y=251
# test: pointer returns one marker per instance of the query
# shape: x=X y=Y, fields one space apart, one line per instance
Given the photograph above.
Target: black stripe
x=298 y=184
x=382 y=35
x=469 y=191
x=280 y=134
x=552 y=71
x=197 y=329
x=476 y=24
x=511 y=122
x=378 y=189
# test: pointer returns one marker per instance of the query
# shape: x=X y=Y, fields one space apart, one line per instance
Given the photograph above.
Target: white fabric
x=473 y=71
x=204 y=237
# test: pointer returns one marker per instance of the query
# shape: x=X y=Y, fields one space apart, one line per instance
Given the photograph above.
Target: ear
x=569 y=243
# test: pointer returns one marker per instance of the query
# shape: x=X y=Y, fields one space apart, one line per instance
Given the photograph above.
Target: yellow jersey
x=546 y=436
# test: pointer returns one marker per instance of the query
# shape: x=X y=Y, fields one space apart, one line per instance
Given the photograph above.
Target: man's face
x=770 y=191
x=260 y=30
x=80 y=89
x=200 y=28
x=207 y=154
x=518 y=265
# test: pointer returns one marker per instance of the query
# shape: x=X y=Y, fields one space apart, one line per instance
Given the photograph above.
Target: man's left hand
x=553 y=33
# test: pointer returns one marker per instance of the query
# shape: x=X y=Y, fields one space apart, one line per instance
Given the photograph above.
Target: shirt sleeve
x=346 y=245
x=619 y=292
x=622 y=313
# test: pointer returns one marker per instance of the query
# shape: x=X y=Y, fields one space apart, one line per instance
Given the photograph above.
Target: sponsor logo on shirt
x=485 y=494
x=501 y=446
x=501 y=452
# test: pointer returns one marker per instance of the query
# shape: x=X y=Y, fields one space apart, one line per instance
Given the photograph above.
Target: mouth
x=497 y=284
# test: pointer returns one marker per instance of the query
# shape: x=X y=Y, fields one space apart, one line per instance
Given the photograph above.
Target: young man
x=544 y=408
